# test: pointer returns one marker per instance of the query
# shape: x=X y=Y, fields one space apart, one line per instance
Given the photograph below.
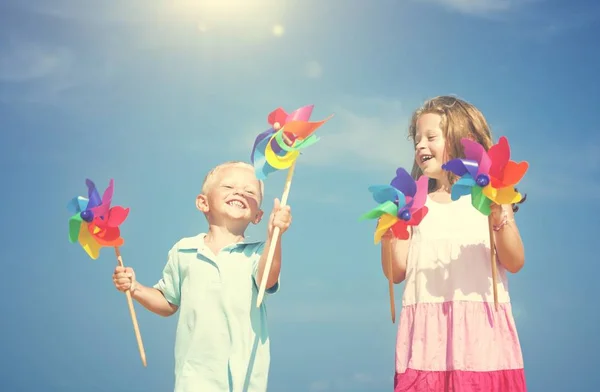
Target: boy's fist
x=124 y=278
x=280 y=217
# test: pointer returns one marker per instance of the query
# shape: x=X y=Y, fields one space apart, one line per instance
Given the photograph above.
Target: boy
x=222 y=341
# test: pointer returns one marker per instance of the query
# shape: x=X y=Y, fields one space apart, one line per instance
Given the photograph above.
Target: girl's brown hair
x=459 y=119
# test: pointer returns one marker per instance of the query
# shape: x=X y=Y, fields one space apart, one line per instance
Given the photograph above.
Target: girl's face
x=430 y=145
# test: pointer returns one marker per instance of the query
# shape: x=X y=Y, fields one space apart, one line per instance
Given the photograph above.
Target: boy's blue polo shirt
x=222 y=341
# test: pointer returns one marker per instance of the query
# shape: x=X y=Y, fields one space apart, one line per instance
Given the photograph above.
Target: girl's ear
x=202 y=203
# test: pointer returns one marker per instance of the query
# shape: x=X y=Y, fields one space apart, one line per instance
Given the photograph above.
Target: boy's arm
x=153 y=300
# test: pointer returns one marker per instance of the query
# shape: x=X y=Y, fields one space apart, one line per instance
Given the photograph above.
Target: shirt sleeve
x=170 y=283
x=255 y=259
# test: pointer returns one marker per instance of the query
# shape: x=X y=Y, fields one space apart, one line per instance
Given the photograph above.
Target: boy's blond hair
x=212 y=174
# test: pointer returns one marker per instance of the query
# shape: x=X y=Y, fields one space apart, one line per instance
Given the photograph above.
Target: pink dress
x=450 y=338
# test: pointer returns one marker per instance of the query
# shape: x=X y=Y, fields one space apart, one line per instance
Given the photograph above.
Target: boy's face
x=234 y=195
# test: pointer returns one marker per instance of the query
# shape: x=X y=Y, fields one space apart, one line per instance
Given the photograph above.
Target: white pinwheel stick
x=269 y=261
x=493 y=261
x=136 y=328
x=386 y=250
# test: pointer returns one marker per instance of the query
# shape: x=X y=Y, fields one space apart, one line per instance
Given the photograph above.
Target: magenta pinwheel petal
x=301 y=114
x=421 y=193
x=102 y=210
x=475 y=151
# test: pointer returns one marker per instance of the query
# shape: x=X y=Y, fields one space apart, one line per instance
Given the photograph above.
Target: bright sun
x=230 y=13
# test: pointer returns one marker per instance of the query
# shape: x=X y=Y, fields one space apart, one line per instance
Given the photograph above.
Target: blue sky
x=154 y=94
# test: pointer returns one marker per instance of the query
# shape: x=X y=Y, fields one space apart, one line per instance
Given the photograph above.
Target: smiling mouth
x=237 y=204
x=425 y=158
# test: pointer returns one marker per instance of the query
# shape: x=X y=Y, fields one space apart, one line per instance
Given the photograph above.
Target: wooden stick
x=136 y=328
x=386 y=245
x=265 y=275
x=493 y=261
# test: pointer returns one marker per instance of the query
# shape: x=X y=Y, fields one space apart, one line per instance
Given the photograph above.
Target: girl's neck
x=442 y=186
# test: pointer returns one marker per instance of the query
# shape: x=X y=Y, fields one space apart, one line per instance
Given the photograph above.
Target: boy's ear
x=258 y=217
x=202 y=203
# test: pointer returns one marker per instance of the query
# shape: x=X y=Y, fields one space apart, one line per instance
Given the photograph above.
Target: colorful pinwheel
x=277 y=149
x=487 y=176
x=94 y=223
x=401 y=204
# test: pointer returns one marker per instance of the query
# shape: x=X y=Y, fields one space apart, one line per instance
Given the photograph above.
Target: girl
x=450 y=337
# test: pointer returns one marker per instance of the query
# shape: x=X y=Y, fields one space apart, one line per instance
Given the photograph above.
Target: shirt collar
x=197 y=242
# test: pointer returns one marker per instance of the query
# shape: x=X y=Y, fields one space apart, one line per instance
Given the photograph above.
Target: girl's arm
x=399 y=256
x=509 y=246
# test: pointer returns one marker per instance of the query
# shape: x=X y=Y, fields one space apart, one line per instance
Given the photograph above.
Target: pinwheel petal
x=513 y=173
x=277 y=116
x=116 y=216
x=88 y=243
x=480 y=201
x=384 y=208
x=93 y=195
x=404 y=182
x=400 y=230
x=462 y=187
x=506 y=195
x=417 y=216
x=277 y=161
x=383 y=226
x=420 y=197
x=261 y=167
x=303 y=129
x=383 y=193
x=499 y=154
x=74 y=227
x=300 y=114
x=77 y=204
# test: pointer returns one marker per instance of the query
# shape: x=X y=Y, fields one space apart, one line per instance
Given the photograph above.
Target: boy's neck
x=219 y=237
